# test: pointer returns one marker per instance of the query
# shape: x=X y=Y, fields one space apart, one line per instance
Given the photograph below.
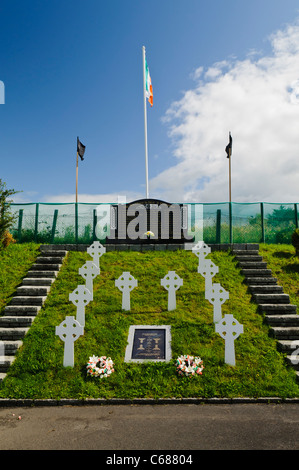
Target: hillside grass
x=15 y=261
x=38 y=370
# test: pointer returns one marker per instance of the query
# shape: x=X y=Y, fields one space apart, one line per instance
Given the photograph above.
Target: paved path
x=150 y=427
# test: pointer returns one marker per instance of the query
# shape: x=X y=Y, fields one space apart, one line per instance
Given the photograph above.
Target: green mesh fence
x=213 y=223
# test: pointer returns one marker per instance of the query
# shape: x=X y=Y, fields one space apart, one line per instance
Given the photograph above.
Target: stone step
x=285 y=333
x=9 y=348
x=277 y=309
x=48 y=260
x=256 y=272
x=2 y=376
x=261 y=281
x=293 y=360
x=287 y=345
x=33 y=290
x=41 y=281
x=266 y=289
x=46 y=252
x=5 y=362
x=28 y=300
x=249 y=258
x=245 y=252
x=252 y=265
x=282 y=320
x=15 y=321
x=22 y=310
x=12 y=334
x=45 y=267
x=271 y=298
x=42 y=273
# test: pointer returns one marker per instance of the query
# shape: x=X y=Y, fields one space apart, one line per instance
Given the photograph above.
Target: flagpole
x=230 y=169
x=145 y=126
x=77 y=178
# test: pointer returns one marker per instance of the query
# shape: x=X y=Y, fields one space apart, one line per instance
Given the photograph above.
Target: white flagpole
x=145 y=126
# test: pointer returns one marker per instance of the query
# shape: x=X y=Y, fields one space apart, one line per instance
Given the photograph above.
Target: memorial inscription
x=149 y=344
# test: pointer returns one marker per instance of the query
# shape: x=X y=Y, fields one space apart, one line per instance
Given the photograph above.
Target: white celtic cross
x=208 y=269
x=171 y=282
x=96 y=250
x=89 y=271
x=229 y=329
x=80 y=297
x=126 y=282
x=217 y=296
x=69 y=331
x=201 y=250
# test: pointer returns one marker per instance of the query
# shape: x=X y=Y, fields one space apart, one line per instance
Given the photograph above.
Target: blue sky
x=73 y=68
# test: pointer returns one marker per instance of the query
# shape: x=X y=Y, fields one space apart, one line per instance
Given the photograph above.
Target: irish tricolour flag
x=148 y=85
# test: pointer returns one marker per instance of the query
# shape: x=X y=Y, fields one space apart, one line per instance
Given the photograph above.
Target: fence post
x=262 y=222
x=296 y=215
x=230 y=222
x=36 y=221
x=20 y=221
x=54 y=225
x=218 y=226
x=76 y=222
x=95 y=219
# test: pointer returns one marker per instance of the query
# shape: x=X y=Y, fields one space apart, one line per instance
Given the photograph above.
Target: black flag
x=80 y=149
x=229 y=147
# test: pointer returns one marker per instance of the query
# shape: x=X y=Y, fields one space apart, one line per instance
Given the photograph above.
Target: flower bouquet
x=149 y=234
x=189 y=365
x=100 y=366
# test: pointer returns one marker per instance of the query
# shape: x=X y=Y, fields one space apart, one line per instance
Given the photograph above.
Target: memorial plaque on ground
x=148 y=343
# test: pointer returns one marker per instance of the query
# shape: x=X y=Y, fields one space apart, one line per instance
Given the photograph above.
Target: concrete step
x=45 y=267
x=28 y=300
x=256 y=272
x=252 y=264
x=293 y=360
x=261 y=281
x=266 y=289
x=15 y=321
x=41 y=281
x=12 y=334
x=42 y=273
x=282 y=320
x=285 y=333
x=245 y=252
x=271 y=298
x=249 y=258
x=287 y=345
x=49 y=260
x=277 y=309
x=22 y=310
x=5 y=362
x=33 y=290
x=46 y=252
x=9 y=348
x=2 y=376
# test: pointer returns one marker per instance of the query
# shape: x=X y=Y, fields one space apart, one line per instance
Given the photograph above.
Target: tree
x=6 y=217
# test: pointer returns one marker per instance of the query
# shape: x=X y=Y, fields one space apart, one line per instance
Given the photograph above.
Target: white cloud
x=253 y=98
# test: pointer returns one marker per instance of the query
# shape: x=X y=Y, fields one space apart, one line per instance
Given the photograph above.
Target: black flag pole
x=80 y=153
x=228 y=150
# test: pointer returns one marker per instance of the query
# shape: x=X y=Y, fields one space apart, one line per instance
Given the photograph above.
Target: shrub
x=295 y=241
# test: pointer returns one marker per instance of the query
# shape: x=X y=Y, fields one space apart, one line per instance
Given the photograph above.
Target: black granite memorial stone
x=149 y=344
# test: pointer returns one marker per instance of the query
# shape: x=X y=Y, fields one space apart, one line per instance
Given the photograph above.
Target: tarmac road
x=151 y=427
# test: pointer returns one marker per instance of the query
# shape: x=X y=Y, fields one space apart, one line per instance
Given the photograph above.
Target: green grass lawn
x=15 y=261
x=260 y=369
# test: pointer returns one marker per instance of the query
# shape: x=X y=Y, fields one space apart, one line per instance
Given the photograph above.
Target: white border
x=129 y=349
